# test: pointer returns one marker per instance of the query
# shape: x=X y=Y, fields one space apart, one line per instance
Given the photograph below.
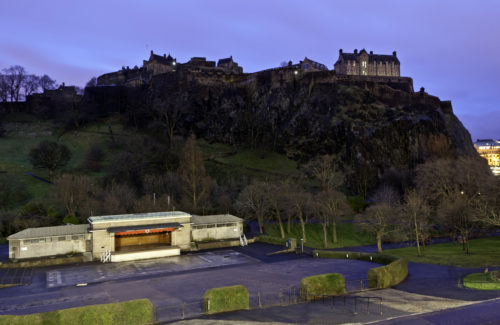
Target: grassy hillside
x=24 y=131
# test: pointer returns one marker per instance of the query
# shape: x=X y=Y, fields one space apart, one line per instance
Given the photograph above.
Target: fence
x=283 y=297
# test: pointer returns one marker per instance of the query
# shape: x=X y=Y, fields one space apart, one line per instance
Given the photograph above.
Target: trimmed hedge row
x=138 y=311
x=392 y=273
x=272 y=240
x=218 y=300
x=322 y=285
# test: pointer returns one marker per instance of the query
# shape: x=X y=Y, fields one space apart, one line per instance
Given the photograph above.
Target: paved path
x=166 y=288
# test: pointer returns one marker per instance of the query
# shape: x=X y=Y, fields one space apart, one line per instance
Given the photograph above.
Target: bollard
x=182 y=309
x=258 y=297
x=355 y=305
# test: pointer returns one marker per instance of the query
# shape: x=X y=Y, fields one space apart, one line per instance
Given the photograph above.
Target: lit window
x=363 y=64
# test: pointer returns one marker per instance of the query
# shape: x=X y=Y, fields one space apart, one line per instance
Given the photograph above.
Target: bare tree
x=276 y=198
x=330 y=206
x=417 y=212
x=324 y=169
x=4 y=88
x=458 y=214
x=252 y=202
x=47 y=83
x=299 y=204
x=31 y=84
x=74 y=194
x=170 y=116
x=379 y=218
x=15 y=76
x=50 y=155
x=193 y=181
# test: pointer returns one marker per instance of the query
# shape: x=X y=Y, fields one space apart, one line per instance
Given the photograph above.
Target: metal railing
x=283 y=297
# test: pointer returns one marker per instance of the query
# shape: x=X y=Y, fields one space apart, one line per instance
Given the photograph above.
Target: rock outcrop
x=370 y=123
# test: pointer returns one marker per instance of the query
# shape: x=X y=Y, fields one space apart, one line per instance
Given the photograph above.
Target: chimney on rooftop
x=355 y=51
x=151 y=52
x=371 y=52
x=394 y=53
x=340 y=51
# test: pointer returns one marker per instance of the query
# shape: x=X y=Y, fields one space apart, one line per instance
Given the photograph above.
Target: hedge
x=138 y=311
x=322 y=285
x=218 y=300
x=392 y=273
x=272 y=240
x=388 y=275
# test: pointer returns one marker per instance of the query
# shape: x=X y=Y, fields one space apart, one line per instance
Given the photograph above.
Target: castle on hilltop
x=367 y=64
x=348 y=65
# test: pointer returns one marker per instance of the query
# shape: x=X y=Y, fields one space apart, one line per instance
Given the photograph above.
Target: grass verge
x=138 y=311
x=347 y=235
x=481 y=281
x=484 y=252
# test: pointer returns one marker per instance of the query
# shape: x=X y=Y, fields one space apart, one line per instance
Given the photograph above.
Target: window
x=306 y=66
x=74 y=237
x=62 y=238
x=363 y=64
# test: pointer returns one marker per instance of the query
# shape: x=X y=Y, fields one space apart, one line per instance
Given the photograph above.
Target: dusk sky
x=449 y=47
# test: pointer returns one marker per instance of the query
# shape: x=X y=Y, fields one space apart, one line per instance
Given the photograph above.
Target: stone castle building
x=357 y=64
x=159 y=64
x=229 y=65
x=363 y=63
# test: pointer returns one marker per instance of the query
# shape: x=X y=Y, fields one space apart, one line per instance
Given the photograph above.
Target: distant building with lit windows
x=489 y=149
x=367 y=64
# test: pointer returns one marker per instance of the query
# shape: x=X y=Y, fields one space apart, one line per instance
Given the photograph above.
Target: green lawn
x=484 y=252
x=347 y=235
x=252 y=160
x=481 y=281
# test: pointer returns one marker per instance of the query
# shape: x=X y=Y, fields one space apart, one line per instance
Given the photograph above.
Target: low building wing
x=50 y=231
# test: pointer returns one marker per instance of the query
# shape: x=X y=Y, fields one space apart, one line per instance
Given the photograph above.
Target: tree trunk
x=379 y=243
x=302 y=226
x=334 y=231
x=282 y=231
x=288 y=226
x=416 y=233
x=325 y=239
x=260 y=222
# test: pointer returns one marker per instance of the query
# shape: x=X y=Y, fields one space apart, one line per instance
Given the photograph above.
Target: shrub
x=388 y=275
x=357 y=203
x=320 y=285
x=71 y=219
x=224 y=299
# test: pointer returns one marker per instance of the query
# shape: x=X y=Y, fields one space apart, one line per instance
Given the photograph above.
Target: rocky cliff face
x=367 y=123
